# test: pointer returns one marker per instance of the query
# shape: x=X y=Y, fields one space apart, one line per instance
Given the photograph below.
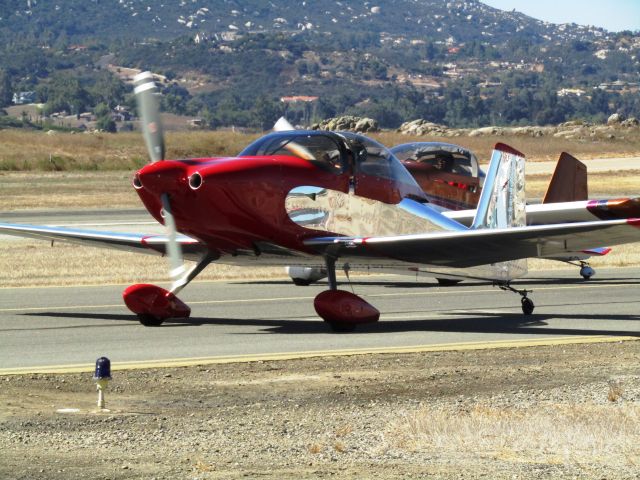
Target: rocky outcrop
x=572 y=129
x=422 y=127
x=348 y=123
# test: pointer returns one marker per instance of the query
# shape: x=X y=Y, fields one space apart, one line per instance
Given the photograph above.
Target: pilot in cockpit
x=444 y=162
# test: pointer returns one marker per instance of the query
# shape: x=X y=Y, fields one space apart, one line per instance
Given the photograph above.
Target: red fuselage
x=233 y=203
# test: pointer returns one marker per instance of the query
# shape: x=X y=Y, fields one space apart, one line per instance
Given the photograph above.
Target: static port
x=195 y=181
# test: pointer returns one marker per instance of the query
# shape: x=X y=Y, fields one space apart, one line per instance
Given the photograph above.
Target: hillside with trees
x=459 y=63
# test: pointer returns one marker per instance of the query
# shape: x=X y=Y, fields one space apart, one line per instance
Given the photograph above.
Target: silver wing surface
x=472 y=248
x=132 y=242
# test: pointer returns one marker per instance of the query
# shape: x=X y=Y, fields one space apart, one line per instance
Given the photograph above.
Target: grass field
x=25 y=150
x=36 y=263
x=96 y=173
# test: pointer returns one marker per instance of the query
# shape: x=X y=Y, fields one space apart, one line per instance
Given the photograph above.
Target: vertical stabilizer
x=569 y=181
x=502 y=202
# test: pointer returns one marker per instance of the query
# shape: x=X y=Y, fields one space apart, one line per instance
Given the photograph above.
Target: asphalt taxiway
x=58 y=328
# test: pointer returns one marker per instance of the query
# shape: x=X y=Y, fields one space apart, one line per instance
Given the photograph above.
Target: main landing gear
x=342 y=310
x=153 y=305
x=527 y=303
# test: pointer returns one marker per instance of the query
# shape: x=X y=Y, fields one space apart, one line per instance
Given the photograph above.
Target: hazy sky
x=614 y=15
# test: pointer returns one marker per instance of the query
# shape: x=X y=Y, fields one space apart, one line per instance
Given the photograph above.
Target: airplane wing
x=132 y=242
x=483 y=246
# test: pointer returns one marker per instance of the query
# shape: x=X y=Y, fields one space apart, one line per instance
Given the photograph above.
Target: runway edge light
x=102 y=376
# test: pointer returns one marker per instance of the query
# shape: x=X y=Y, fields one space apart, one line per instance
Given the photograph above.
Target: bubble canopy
x=341 y=153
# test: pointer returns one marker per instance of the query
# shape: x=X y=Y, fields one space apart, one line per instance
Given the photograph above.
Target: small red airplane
x=325 y=200
x=451 y=177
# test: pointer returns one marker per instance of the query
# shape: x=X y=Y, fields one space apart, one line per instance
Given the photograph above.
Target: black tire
x=447 y=282
x=342 y=327
x=300 y=282
x=527 y=306
x=149 y=320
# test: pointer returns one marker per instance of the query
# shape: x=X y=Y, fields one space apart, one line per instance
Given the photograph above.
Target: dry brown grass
x=339 y=447
x=601 y=184
x=315 y=448
x=27 y=150
x=535 y=149
x=344 y=430
x=36 y=263
x=60 y=190
x=616 y=391
x=112 y=189
x=548 y=433
x=64 y=264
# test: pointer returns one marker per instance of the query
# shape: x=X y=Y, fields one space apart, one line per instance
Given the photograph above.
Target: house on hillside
x=22 y=98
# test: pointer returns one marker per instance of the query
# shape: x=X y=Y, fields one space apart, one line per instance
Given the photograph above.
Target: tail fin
x=569 y=181
x=502 y=201
x=502 y=204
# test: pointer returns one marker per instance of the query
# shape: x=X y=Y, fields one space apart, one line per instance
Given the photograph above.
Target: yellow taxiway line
x=264 y=357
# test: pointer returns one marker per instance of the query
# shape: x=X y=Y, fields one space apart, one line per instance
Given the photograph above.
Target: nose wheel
x=526 y=302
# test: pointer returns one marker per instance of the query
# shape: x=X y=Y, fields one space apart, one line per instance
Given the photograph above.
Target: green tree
x=266 y=112
x=106 y=124
x=66 y=93
x=6 y=94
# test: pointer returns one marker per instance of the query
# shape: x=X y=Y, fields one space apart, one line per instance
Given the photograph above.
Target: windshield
x=318 y=148
x=376 y=160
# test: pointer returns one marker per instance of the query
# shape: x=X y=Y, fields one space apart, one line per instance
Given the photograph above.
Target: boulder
x=615 y=119
x=348 y=123
x=485 y=131
x=630 y=122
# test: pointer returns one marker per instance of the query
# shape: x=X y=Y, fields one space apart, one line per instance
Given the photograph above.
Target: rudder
x=569 y=181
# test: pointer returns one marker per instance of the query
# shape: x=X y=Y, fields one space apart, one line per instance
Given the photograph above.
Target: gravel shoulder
x=535 y=412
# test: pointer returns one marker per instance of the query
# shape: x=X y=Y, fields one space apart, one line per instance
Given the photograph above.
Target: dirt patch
x=543 y=412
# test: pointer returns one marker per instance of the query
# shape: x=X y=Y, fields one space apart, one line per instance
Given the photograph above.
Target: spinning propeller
x=147 y=96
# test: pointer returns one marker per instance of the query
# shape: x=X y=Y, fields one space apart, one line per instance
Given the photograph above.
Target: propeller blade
x=174 y=250
x=147 y=96
x=283 y=125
